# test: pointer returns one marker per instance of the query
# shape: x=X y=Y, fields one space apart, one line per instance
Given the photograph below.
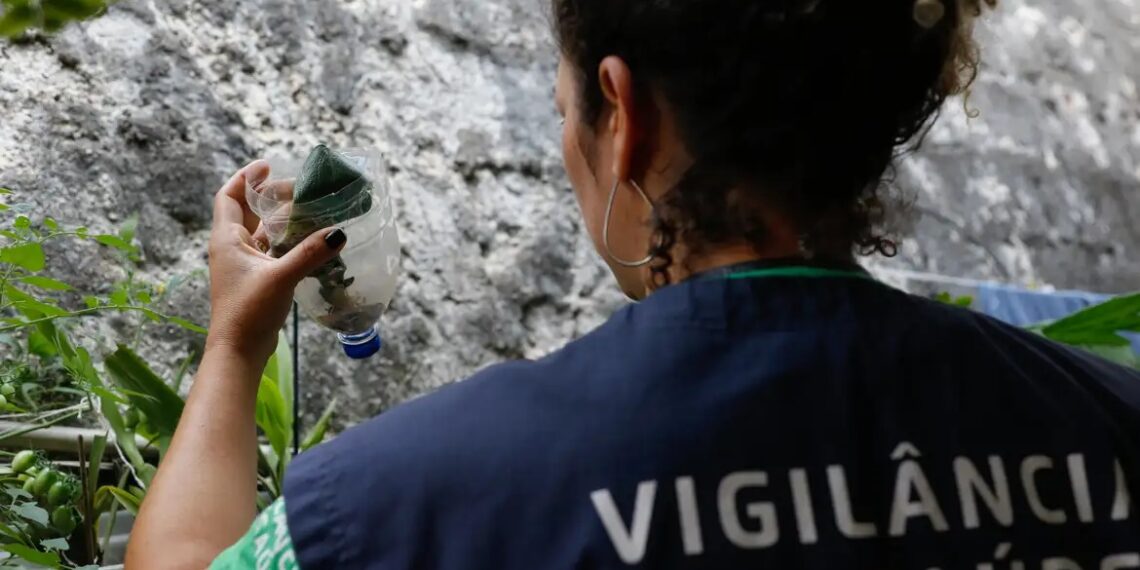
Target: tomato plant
x=19 y=16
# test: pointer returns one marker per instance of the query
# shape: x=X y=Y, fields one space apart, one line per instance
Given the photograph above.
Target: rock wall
x=150 y=107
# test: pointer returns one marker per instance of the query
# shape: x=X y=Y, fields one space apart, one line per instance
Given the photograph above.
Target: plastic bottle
x=349 y=294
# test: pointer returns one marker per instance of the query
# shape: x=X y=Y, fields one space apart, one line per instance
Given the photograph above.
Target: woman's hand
x=251 y=292
x=204 y=495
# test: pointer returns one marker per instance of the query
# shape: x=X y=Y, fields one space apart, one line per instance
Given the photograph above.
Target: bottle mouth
x=361 y=345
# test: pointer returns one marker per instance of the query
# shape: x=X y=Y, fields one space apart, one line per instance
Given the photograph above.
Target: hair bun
x=928 y=13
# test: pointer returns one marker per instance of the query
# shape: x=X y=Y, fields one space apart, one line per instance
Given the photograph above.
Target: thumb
x=308 y=256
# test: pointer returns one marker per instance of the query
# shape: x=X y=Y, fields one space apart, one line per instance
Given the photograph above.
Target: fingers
x=230 y=206
x=317 y=250
x=261 y=239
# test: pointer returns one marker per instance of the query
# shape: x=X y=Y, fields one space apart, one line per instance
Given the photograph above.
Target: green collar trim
x=800 y=271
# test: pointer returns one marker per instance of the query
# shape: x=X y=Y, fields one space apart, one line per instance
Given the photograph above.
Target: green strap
x=800 y=271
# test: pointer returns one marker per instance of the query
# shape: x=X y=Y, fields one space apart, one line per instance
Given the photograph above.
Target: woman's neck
x=727 y=256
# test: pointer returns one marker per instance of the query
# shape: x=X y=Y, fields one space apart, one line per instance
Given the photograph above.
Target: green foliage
x=48 y=377
x=40 y=511
x=1100 y=325
x=965 y=302
x=48 y=16
x=146 y=391
x=317 y=434
x=1096 y=329
x=150 y=394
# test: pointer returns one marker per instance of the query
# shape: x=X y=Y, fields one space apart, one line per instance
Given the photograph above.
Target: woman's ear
x=616 y=81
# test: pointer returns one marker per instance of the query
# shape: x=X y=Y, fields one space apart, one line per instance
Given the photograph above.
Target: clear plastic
x=348 y=294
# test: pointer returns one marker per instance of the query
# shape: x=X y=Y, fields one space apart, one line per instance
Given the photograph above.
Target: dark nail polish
x=335 y=239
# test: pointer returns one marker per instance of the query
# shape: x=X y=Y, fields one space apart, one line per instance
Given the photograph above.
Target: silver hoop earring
x=606 y=226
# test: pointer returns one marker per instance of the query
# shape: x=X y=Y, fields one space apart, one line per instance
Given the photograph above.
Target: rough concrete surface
x=150 y=107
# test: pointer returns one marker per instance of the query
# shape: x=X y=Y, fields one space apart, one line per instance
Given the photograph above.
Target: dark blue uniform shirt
x=785 y=422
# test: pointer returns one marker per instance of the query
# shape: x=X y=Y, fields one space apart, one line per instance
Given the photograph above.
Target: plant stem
x=37 y=427
x=84 y=312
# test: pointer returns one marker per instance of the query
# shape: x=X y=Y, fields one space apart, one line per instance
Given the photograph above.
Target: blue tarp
x=1022 y=307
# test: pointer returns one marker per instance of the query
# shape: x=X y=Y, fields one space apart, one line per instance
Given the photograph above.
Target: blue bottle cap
x=360 y=346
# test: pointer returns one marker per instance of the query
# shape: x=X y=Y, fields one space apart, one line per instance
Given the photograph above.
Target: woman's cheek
x=582 y=181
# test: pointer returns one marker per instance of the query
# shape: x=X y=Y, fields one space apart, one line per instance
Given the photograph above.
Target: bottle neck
x=361 y=345
x=362 y=337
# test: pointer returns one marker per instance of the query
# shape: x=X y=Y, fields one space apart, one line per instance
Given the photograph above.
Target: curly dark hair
x=800 y=105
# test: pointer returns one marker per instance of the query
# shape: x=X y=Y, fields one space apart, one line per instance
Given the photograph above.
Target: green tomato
x=3 y=402
x=44 y=481
x=29 y=485
x=64 y=520
x=7 y=389
x=59 y=493
x=23 y=461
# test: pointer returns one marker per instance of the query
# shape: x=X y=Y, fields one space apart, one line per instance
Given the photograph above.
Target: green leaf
x=162 y=405
x=119 y=297
x=1123 y=355
x=11 y=533
x=22 y=222
x=115 y=242
x=317 y=434
x=18 y=493
x=143 y=297
x=1099 y=325
x=180 y=374
x=54 y=544
x=94 y=461
x=45 y=283
x=5 y=191
x=129 y=227
x=267 y=461
x=272 y=416
x=91 y=302
x=3 y=208
x=51 y=224
x=187 y=325
x=40 y=345
x=29 y=256
x=127 y=500
x=49 y=559
x=32 y=512
x=965 y=302
x=63 y=345
x=124 y=438
x=30 y=306
x=280 y=370
x=64 y=11
x=17 y=18
x=107 y=395
x=81 y=365
x=81 y=233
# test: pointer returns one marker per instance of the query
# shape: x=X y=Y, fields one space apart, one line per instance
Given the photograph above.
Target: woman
x=767 y=405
